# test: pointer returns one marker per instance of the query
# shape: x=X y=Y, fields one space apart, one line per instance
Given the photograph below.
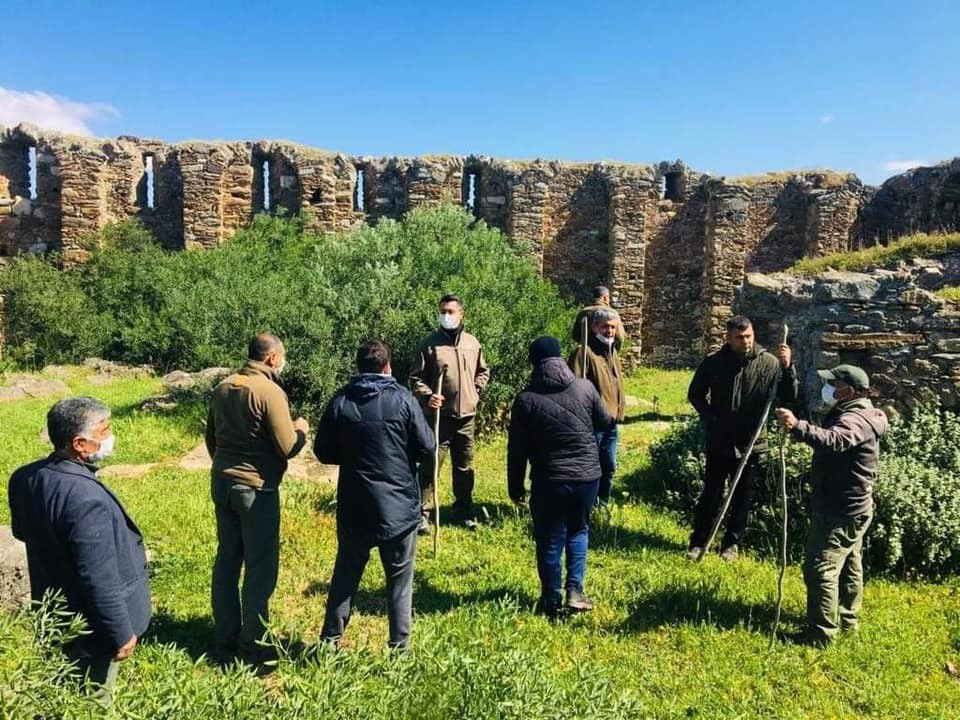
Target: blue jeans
x=561 y=522
x=607 y=445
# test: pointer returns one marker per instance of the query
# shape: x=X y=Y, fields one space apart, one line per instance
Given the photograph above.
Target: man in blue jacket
x=81 y=542
x=375 y=431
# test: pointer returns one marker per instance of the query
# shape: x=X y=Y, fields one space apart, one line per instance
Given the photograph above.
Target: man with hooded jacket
x=846 y=451
x=552 y=427
x=375 y=431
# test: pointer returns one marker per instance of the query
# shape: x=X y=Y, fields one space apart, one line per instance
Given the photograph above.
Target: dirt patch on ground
x=14 y=580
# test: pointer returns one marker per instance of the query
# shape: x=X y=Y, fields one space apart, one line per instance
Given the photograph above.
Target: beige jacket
x=467 y=374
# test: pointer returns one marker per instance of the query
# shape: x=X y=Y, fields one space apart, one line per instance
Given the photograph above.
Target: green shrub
x=322 y=294
x=916 y=526
x=676 y=473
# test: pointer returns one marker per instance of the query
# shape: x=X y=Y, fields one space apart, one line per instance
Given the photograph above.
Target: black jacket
x=729 y=393
x=81 y=542
x=552 y=427
x=846 y=453
x=376 y=432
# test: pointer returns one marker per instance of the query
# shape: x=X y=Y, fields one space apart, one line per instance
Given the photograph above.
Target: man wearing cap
x=601 y=301
x=552 y=427
x=729 y=391
x=845 y=458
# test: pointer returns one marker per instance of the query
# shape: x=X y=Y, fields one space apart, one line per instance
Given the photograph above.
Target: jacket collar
x=74 y=467
x=255 y=367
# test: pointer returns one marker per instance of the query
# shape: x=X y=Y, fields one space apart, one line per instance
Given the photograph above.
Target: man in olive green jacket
x=601 y=301
x=250 y=436
x=846 y=454
x=460 y=355
x=599 y=363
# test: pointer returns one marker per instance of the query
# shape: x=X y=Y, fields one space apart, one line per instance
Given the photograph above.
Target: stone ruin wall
x=672 y=244
x=890 y=322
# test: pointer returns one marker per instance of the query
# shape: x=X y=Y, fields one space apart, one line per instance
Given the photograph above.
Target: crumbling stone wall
x=672 y=244
x=887 y=321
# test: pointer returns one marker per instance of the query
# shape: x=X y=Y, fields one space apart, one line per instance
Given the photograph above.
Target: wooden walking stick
x=436 y=470
x=743 y=462
x=783 y=536
x=583 y=358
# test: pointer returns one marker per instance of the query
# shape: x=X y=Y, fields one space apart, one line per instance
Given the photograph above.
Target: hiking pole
x=783 y=537
x=743 y=462
x=583 y=365
x=436 y=471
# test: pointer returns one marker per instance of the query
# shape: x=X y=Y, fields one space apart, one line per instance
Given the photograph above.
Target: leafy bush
x=323 y=295
x=916 y=527
x=678 y=465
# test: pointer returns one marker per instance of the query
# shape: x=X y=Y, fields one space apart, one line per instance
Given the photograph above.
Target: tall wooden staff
x=583 y=349
x=436 y=470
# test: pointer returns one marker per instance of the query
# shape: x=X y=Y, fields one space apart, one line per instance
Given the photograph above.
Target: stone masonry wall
x=672 y=245
x=887 y=321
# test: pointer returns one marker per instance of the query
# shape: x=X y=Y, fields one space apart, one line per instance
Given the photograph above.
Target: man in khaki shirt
x=250 y=437
x=466 y=374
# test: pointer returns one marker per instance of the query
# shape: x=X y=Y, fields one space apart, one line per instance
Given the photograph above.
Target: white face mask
x=828 y=393
x=104 y=451
x=449 y=322
x=604 y=339
x=281 y=366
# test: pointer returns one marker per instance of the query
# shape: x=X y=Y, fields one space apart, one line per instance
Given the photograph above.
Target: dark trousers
x=99 y=670
x=720 y=469
x=561 y=524
x=607 y=445
x=248 y=535
x=456 y=435
x=353 y=552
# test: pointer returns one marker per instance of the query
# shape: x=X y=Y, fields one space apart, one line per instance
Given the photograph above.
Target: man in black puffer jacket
x=552 y=427
x=375 y=431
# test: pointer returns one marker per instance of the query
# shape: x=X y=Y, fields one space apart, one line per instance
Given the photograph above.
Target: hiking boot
x=578 y=601
x=549 y=606
x=424 y=527
x=694 y=553
x=730 y=553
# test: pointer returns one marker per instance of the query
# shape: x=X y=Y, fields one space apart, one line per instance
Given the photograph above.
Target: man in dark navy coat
x=375 y=431
x=80 y=541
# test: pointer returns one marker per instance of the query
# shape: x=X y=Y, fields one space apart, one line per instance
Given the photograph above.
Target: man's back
x=375 y=431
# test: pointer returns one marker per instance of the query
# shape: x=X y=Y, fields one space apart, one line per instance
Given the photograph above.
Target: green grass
x=668 y=638
x=880 y=256
x=950 y=294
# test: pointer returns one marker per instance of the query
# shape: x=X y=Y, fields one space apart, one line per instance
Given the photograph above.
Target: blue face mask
x=828 y=393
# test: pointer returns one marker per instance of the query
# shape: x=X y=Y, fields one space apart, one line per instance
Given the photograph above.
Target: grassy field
x=668 y=638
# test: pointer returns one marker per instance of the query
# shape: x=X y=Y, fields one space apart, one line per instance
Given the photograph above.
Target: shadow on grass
x=193 y=635
x=697 y=606
x=616 y=538
x=653 y=416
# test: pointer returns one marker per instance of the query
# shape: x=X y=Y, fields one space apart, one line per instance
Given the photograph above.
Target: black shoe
x=578 y=601
x=424 y=527
x=549 y=606
x=464 y=516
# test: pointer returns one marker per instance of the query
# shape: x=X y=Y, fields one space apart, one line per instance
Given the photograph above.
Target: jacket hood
x=876 y=418
x=551 y=375
x=366 y=386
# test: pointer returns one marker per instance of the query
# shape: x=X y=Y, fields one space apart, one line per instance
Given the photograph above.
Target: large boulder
x=14 y=580
x=23 y=387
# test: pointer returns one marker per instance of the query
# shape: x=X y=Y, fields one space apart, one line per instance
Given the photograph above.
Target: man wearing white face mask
x=846 y=451
x=250 y=436
x=465 y=375
x=81 y=542
x=599 y=363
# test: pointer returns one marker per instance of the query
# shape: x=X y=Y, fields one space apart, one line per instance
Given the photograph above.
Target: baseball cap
x=850 y=374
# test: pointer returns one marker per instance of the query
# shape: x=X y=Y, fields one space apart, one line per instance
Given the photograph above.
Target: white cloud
x=826 y=119
x=50 y=112
x=899 y=166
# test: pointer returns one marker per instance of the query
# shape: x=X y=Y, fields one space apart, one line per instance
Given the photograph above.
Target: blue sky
x=730 y=87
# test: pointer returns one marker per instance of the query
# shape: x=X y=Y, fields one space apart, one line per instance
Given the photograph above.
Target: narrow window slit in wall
x=358 y=192
x=148 y=174
x=266 y=185
x=472 y=192
x=32 y=170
